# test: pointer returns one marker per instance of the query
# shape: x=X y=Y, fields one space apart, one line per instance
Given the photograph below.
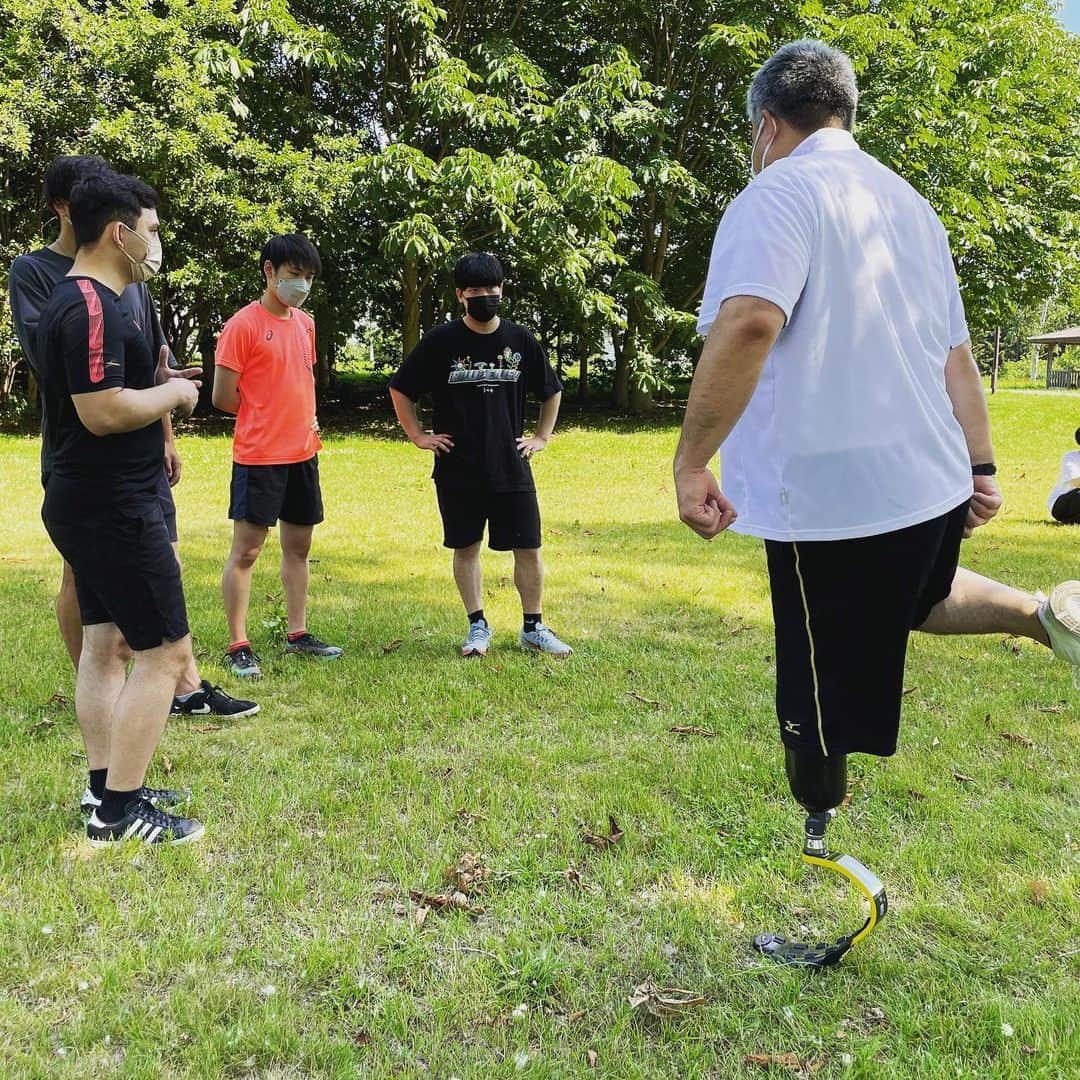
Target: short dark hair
x=65 y=172
x=147 y=196
x=102 y=197
x=293 y=248
x=478 y=268
x=1076 y=436
x=807 y=84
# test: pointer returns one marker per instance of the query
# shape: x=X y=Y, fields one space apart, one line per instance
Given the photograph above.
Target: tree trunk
x=410 y=295
x=997 y=361
x=624 y=362
x=583 y=376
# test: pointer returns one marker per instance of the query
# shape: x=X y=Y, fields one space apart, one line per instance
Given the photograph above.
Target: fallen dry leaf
x=664 y=1000
x=644 y=700
x=205 y=729
x=467 y=816
x=166 y=764
x=577 y=1014
x=362 y=1038
x=468 y=874
x=572 y=875
x=692 y=730
x=421 y=914
x=1020 y=740
x=875 y=1015
x=1050 y=708
x=964 y=779
x=1038 y=892
x=918 y=796
x=392 y=646
x=456 y=901
x=592 y=1058
x=602 y=843
x=57 y=699
x=909 y=690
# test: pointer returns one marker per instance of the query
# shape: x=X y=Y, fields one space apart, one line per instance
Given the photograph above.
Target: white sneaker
x=1060 y=616
x=476 y=644
x=543 y=640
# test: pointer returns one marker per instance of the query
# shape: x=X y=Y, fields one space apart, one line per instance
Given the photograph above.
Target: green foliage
x=593 y=148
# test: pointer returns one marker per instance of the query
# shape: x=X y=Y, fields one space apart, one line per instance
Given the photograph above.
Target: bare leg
x=141 y=711
x=295 y=547
x=529 y=578
x=247 y=542
x=99 y=684
x=67 y=615
x=189 y=680
x=978 y=605
x=469 y=577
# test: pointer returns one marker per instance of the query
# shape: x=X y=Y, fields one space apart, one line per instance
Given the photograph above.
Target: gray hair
x=806 y=84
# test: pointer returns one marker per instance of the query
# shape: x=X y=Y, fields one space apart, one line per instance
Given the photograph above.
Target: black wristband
x=989 y=469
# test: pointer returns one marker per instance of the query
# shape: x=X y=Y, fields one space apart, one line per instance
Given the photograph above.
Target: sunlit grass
x=287 y=945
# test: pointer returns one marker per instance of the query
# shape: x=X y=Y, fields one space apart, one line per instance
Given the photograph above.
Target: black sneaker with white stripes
x=158 y=797
x=211 y=700
x=143 y=822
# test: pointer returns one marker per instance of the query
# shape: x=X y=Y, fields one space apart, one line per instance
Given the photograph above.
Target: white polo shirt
x=850 y=431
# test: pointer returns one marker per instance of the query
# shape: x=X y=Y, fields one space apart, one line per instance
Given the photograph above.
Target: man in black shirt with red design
x=105 y=395
x=31 y=281
x=478 y=370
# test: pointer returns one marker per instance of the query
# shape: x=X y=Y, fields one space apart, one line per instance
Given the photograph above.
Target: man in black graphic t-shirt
x=479 y=370
x=105 y=395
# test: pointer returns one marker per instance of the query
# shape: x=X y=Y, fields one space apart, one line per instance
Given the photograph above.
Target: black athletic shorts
x=512 y=518
x=165 y=497
x=262 y=494
x=843 y=611
x=1067 y=508
x=168 y=506
x=124 y=564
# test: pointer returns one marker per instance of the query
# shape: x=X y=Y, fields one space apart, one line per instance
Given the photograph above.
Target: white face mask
x=145 y=268
x=765 y=153
x=292 y=292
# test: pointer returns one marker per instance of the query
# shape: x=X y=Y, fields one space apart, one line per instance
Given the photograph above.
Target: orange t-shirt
x=275 y=359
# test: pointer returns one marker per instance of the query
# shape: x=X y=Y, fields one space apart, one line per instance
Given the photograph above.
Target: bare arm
x=727 y=373
x=405 y=409
x=545 y=425
x=120 y=409
x=963 y=383
x=226 y=395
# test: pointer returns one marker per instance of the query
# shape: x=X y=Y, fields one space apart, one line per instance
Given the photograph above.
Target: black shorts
x=843 y=611
x=165 y=497
x=168 y=507
x=512 y=518
x=124 y=565
x=263 y=493
x=1067 y=508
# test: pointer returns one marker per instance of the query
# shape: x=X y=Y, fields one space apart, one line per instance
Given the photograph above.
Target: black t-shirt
x=87 y=341
x=478 y=384
x=31 y=281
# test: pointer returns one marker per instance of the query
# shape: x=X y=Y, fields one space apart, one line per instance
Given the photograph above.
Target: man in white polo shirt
x=838 y=376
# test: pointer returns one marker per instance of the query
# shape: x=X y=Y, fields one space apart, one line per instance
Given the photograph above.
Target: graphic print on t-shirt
x=505 y=368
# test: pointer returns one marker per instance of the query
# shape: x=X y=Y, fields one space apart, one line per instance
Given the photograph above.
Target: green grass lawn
x=286 y=943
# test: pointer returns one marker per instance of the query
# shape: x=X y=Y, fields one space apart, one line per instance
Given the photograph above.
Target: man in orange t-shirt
x=265 y=375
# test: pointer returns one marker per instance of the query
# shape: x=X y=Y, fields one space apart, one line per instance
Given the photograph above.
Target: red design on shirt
x=97 y=330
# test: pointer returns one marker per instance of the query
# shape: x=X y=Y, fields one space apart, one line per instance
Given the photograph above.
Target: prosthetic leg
x=819 y=784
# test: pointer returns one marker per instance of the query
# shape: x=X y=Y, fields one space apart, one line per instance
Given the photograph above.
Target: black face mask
x=483 y=308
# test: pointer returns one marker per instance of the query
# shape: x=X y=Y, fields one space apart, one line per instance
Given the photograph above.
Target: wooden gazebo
x=1054 y=343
